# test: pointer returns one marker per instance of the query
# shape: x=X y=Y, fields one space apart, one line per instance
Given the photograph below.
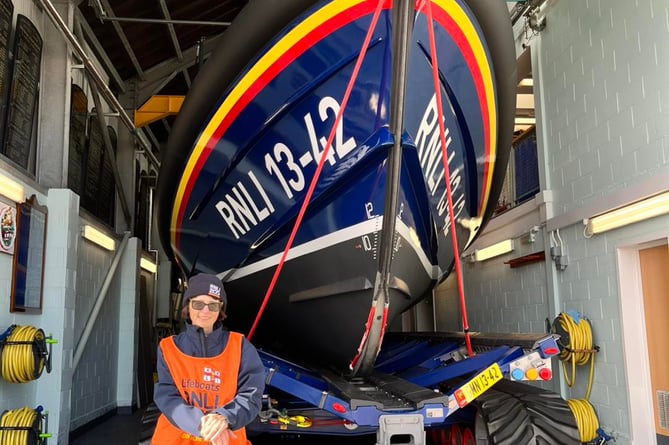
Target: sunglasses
x=215 y=306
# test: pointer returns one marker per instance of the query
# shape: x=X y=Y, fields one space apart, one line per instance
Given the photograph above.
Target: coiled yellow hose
x=579 y=351
x=20 y=362
x=18 y=426
x=586 y=419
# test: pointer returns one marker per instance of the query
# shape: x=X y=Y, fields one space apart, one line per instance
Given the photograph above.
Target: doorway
x=644 y=289
x=654 y=262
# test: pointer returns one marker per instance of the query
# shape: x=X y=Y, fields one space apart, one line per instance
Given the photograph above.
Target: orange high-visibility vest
x=203 y=382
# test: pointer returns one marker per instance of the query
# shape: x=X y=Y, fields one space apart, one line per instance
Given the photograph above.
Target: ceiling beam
x=175 y=41
x=152 y=136
x=108 y=12
x=149 y=90
x=186 y=77
x=90 y=37
x=164 y=21
x=170 y=27
x=167 y=126
x=157 y=74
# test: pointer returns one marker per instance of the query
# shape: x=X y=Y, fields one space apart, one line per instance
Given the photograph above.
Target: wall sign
x=93 y=163
x=6 y=16
x=77 y=146
x=7 y=228
x=23 y=93
x=28 y=270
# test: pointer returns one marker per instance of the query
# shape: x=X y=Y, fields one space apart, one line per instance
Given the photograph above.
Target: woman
x=210 y=381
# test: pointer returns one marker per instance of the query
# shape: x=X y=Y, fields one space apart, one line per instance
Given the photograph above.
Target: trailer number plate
x=478 y=385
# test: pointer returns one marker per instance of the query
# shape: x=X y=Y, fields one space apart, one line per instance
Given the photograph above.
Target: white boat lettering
x=283 y=155
x=261 y=190
x=458 y=207
x=313 y=139
x=286 y=165
x=328 y=107
x=398 y=244
x=442 y=207
x=369 y=210
x=428 y=144
x=366 y=243
x=244 y=208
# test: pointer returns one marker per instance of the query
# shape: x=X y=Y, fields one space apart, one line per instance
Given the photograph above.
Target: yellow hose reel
x=23 y=427
x=24 y=353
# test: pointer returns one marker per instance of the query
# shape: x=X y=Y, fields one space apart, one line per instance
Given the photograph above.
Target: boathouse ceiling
x=155 y=47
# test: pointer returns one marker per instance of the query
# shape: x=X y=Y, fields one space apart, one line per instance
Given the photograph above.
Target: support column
x=128 y=279
x=125 y=159
x=59 y=295
x=54 y=105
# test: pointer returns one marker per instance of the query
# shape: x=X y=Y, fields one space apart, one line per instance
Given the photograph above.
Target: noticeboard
x=23 y=93
x=6 y=15
x=92 y=165
x=107 y=182
x=77 y=146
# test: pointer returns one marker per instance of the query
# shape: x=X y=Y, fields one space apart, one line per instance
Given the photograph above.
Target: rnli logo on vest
x=210 y=375
x=203 y=393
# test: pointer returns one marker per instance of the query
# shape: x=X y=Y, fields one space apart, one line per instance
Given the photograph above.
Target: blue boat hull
x=245 y=149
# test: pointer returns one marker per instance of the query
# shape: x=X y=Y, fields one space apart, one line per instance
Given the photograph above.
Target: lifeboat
x=325 y=157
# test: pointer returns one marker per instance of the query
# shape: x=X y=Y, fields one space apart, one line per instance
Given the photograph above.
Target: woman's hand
x=223 y=438
x=214 y=428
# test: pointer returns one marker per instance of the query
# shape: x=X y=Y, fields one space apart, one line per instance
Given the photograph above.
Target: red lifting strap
x=447 y=174
x=321 y=162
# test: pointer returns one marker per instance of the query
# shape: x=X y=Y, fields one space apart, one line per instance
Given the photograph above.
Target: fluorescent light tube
x=526 y=82
x=525 y=120
x=12 y=189
x=148 y=265
x=497 y=249
x=97 y=237
x=637 y=211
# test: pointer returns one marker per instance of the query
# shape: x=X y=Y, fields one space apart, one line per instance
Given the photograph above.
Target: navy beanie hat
x=205 y=284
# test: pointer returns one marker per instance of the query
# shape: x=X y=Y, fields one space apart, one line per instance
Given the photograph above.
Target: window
x=522 y=174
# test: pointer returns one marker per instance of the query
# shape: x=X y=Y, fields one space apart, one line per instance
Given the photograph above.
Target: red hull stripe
x=308 y=33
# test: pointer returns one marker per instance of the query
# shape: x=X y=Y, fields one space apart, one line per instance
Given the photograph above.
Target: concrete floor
x=120 y=429
x=127 y=429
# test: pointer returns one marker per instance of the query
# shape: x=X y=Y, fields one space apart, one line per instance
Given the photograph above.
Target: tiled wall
x=94 y=393
x=600 y=70
x=73 y=275
x=74 y=272
x=604 y=66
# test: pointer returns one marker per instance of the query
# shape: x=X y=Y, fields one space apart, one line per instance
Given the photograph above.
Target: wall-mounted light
x=526 y=82
x=525 y=121
x=497 y=249
x=12 y=189
x=101 y=239
x=148 y=265
x=637 y=211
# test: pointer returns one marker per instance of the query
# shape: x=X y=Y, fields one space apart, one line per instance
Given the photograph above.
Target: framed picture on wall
x=7 y=227
x=28 y=270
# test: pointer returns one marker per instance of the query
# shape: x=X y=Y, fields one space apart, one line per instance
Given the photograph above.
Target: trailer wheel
x=468 y=437
x=519 y=414
x=455 y=435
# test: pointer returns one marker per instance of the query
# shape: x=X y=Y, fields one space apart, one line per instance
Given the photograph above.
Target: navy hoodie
x=250 y=382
